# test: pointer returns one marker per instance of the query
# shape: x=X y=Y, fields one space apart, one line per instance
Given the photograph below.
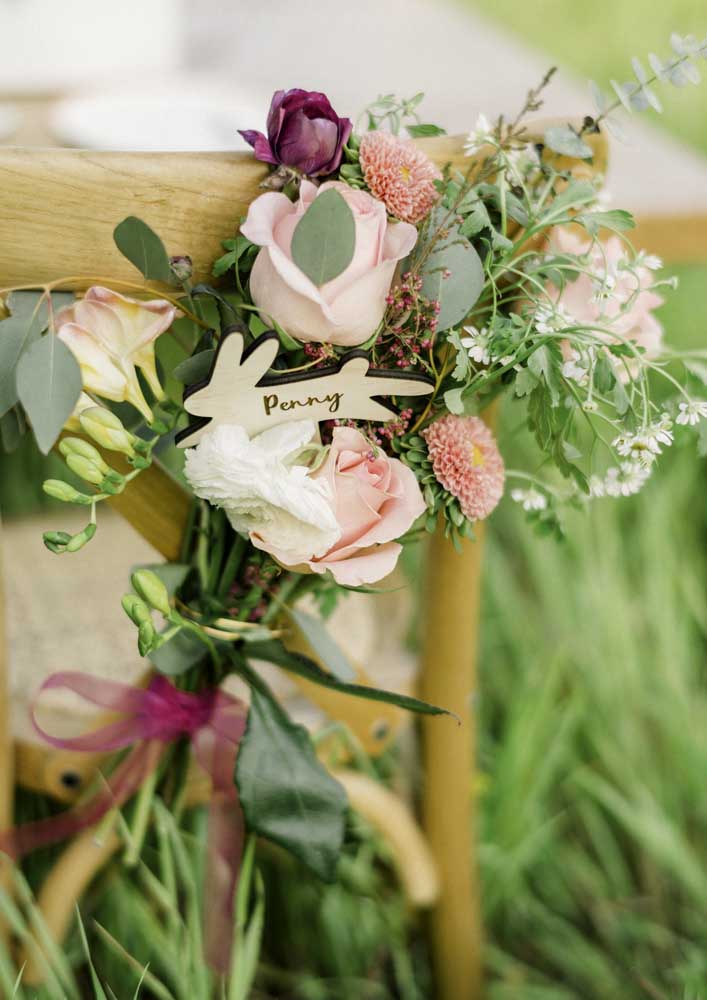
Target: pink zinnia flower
x=398 y=173
x=467 y=462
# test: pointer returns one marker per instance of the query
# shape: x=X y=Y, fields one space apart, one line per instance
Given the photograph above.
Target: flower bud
x=149 y=586
x=146 y=636
x=77 y=446
x=78 y=541
x=56 y=541
x=181 y=267
x=85 y=469
x=60 y=490
x=113 y=482
x=105 y=428
x=136 y=609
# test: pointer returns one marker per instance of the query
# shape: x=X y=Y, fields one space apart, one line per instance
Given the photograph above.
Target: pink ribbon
x=214 y=722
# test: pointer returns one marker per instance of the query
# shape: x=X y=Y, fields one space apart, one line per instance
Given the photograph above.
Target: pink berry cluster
x=410 y=325
x=250 y=596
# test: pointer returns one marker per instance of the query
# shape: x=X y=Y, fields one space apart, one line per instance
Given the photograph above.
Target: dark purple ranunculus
x=304 y=132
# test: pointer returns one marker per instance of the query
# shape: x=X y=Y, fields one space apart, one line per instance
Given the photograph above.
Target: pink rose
x=347 y=310
x=375 y=499
x=628 y=307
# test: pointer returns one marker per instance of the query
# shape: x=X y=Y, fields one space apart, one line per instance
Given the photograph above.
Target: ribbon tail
x=118 y=788
x=226 y=837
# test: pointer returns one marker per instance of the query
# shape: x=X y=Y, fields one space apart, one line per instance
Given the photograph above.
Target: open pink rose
x=346 y=310
x=375 y=500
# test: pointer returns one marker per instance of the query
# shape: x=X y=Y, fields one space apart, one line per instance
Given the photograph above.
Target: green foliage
x=48 y=386
x=143 y=248
x=453 y=274
x=324 y=239
x=286 y=793
x=567 y=141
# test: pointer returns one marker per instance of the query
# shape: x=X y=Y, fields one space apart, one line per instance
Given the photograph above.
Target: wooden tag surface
x=239 y=390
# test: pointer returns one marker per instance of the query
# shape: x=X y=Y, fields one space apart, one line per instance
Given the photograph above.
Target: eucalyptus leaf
x=452 y=274
x=287 y=795
x=564 y=140
x=17 y=332
x=48 y=386
x=296 y=663
x=423 y=130
x=196 y=368
x=178 y=654
x=143 y=248
x=324 y=239
x=453 y=401
x=13 y=428
x=325 y=648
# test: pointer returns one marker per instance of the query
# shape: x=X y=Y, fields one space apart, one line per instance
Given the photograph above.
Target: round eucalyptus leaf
x=324 y=239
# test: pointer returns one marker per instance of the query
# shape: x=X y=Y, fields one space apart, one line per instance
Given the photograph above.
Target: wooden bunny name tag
x=239 y=390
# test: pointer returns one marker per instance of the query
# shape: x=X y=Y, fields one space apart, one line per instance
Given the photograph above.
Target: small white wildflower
x=691 y=413
x=596 y=487
x=477 y=344
x=481 y=133
x=521 y=161
x=646 y=444
x=549 y=318
x=649 y=260
x=530 y=499
x=573 y=371
x=627 y=480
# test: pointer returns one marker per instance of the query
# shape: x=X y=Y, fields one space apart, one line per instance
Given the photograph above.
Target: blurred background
x=593 y=695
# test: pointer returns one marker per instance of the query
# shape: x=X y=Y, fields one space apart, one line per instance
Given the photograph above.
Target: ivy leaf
x=275 y=652
x=323 y=645
x=544 y=362
x=564 y=140
x=324 y=239
x=286 y=793
x=143 y=248
x=48 y=386
x=525 y=382
x=453 y=275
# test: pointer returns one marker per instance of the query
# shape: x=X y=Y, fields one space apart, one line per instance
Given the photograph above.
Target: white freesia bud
x=262 y=494
x=106 y=429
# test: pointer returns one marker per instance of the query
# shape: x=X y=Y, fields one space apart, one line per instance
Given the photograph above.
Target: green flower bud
x=105 y=428
x=60 y=490
x=56 y=541
x=85 y=468
x=149 y=586
x=146 y=636
x=113 y=482
x=136 y=609
x=77 y=446
x=78 y=541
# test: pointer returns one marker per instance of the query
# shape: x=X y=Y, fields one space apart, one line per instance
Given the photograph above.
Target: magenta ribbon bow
x=214 y=722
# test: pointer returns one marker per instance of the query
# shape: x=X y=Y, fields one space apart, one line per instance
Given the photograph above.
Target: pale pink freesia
x=629 y=304
x=376 y=499
x=347 y=310
x=110 y=336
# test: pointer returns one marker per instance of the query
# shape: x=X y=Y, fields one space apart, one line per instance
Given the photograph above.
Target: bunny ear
x=393 y=384
x=230 y=354
x=261 y=354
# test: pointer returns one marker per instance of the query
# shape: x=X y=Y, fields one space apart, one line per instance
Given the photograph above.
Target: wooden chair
x=57 y=212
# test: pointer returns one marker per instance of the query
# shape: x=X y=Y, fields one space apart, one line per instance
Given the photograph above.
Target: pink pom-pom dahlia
x=399 y=174
x=467 y=462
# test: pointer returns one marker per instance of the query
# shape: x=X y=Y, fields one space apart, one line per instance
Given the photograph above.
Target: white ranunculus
x=263 y=494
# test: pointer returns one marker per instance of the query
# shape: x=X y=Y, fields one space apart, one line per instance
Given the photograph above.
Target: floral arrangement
x=328 y=400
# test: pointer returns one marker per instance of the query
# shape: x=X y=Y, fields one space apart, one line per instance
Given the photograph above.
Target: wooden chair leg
x=448 y=679
x=7 y=769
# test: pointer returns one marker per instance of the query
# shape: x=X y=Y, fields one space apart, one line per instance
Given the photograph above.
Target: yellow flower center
x=405 y=173
x=477 y=456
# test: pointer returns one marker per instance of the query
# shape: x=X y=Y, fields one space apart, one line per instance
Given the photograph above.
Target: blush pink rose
x=376 y=499
x=347 y=310
x=629 y=309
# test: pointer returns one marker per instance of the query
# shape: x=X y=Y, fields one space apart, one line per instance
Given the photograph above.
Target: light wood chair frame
x=58 y=209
